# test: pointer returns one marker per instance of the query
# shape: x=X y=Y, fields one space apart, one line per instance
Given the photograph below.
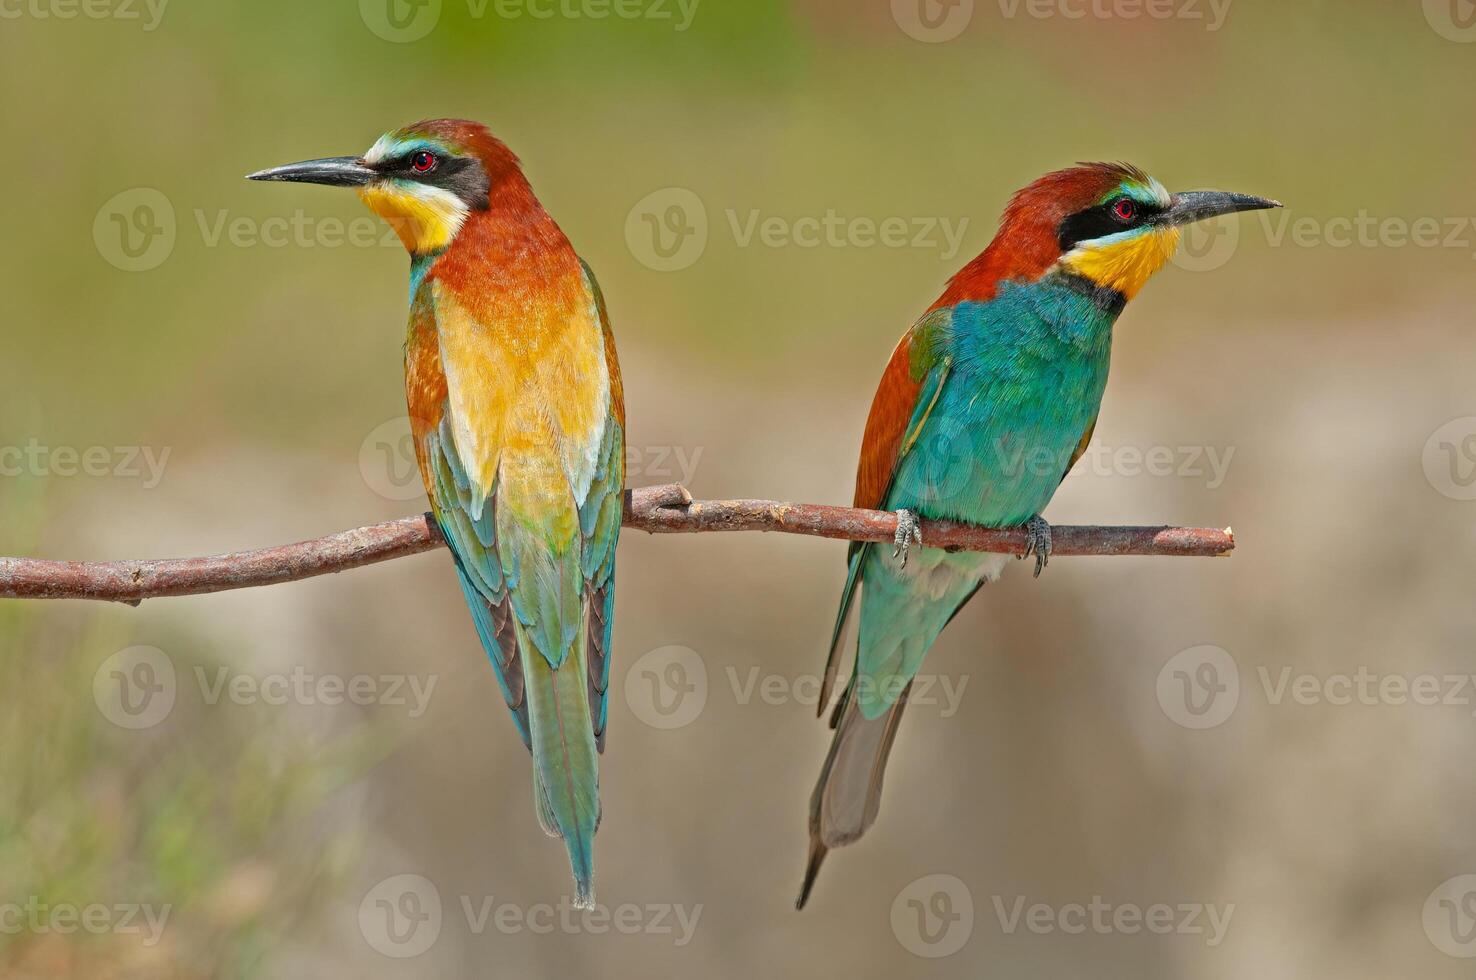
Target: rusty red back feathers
x=1024 y=248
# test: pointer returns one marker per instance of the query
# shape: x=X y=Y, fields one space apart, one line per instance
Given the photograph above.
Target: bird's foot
x=908 y=531
x=1038 y=534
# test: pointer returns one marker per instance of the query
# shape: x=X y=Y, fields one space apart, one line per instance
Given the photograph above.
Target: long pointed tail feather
x=847 y=796
x=565 y=756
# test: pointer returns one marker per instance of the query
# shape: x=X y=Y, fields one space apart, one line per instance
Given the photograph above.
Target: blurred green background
x=235 y=365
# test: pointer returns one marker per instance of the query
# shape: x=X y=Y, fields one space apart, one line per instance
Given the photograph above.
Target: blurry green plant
x=217 y=817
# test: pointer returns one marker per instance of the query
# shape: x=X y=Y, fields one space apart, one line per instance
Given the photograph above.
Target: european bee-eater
x=986 y=404
x=518 y=419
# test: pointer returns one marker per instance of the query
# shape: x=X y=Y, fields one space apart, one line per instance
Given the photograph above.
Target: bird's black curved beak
x=333 y=171
x=1191 y=206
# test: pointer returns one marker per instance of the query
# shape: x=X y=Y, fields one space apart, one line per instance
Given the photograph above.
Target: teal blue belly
x=1025 y=382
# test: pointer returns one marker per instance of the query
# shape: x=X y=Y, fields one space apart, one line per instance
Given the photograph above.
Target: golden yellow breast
x=530 y=385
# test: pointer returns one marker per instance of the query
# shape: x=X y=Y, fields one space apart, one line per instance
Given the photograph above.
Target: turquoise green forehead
x=403 y=142
x=1144 y=190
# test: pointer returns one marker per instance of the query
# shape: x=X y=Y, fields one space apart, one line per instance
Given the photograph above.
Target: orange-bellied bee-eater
x=986 y=404
x=518 y=419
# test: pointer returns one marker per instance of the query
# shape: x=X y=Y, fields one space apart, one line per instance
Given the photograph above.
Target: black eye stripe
x=405 y=162
x=462 y=176
x=1100 y=221
x=444 y=168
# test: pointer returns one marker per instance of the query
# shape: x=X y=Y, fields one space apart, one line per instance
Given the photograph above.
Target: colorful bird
x=518 y=418
x=986 y=404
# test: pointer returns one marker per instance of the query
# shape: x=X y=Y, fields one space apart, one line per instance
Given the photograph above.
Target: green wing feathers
x=537 y=569
x=599 y=523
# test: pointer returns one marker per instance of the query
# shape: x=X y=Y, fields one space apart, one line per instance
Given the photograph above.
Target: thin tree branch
x=659 y=510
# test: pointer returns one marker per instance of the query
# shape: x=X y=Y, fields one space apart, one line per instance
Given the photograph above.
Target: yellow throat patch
x=1126 y=265
x=425 y=218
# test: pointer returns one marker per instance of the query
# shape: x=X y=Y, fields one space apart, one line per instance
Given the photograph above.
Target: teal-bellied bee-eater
x=518 y=418
x=986 y=404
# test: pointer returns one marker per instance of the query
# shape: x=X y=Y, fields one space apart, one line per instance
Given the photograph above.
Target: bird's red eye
x=423 y=162
x=1124 y=210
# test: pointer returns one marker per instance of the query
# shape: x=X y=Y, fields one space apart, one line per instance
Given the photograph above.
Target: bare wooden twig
x=659 y=510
